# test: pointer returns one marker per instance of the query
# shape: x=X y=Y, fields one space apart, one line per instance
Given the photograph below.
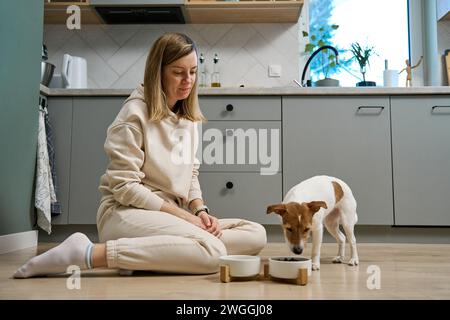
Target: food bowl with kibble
x=242 y=265
x=288 y=267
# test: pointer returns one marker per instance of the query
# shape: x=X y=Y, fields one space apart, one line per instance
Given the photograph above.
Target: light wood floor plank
x=408 y=271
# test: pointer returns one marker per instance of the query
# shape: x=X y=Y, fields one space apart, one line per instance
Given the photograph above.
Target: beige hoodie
x=141 y=158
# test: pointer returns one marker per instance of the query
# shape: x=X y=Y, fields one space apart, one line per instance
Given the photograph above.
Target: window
x=381 y=24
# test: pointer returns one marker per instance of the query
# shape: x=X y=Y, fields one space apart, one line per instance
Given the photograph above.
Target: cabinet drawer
x=241 y=195
x=241 y=108
x=253 y=146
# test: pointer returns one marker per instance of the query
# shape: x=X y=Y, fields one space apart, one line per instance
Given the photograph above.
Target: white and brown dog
x=318 y=201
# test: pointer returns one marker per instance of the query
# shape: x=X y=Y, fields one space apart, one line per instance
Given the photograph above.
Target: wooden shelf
x=196 y=11
x=55 y=12
x=208 y=11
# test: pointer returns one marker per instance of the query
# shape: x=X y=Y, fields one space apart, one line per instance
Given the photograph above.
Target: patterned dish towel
x=44 y=192
x=56 y=206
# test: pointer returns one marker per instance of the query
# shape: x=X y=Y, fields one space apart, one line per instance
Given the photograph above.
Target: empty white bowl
x=287 y=267
x=242 y=265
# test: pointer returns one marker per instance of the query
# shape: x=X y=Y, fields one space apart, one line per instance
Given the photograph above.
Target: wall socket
x=274 y=70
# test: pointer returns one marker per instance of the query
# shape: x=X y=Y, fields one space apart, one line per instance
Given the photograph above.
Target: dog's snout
x=297 y=249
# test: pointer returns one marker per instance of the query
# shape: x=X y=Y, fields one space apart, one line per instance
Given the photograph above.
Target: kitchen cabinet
x=241 y=108
x=421 y=160
x=345 y=137
x=91 y=118
x=248 y=11
x=248 y=124
x=383 y=147
x=60 y=117
x=241 y=146
x=249 y=136
x=244 y=195
x=194 y=11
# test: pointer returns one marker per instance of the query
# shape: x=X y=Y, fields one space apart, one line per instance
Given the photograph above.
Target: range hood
x=139 y=11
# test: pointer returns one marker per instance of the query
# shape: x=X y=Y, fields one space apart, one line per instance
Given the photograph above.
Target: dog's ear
x=279 y=208
x=315 y=206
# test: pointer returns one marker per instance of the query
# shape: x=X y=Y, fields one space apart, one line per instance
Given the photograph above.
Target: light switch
x=274 y=70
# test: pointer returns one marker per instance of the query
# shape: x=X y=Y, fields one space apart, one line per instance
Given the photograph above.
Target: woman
x=152 y=215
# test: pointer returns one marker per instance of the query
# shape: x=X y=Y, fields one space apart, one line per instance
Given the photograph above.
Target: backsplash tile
x=116 y=54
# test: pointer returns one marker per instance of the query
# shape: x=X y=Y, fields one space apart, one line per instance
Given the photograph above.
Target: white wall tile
x=212 y=33
x=116 y=54
x=259 y=74
x=121 y=33
x=133 y=49
x=236 y=68
x=99 y=40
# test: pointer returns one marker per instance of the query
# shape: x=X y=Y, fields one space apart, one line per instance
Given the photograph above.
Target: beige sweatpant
x=139 y=239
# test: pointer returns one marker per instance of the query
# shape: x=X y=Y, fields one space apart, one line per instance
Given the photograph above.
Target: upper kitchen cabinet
x=443 y=10
x=244 y=11
x=175 y=11
x=55 y=12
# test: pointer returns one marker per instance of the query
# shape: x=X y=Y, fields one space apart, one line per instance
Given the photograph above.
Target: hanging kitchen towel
x=55 y=206
x=44 y=192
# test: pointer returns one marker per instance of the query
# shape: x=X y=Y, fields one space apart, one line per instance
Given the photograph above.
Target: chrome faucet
x=308 y=83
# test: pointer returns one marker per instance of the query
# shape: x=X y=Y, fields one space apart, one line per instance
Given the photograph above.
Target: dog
x=318 y=201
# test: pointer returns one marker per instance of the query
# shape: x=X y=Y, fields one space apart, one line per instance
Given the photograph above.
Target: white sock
x=75 y=250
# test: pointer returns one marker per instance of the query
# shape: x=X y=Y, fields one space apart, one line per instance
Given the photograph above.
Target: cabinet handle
x=229 y=185
x=380 y=108
x=229 y=107
x=370 y=107
x=433 y=109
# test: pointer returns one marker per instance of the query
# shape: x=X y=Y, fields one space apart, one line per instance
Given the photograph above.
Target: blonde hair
x=167 y=49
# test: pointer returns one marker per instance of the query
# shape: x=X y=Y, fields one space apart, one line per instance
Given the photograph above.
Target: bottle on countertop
x=202 y=78
x=215 y=77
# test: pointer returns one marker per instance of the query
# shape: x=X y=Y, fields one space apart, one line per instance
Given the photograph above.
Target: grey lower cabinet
x=60 y=116
x=421 y=160
x=240 y=154
x=345 y=137
x=241 y=195
x=241 y=146
x=91 y=118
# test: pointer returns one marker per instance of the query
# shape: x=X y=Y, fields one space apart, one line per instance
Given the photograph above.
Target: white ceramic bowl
x=287 y=267
x=242 y=265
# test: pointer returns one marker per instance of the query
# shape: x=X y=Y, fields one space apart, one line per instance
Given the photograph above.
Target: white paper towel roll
x=390 y=78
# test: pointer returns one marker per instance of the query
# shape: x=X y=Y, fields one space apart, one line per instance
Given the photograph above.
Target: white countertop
x=259 y=91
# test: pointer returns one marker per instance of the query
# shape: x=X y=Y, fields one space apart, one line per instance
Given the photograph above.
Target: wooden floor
x=407 y=271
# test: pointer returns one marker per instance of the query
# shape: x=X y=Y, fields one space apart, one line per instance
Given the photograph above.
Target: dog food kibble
x=290 y=259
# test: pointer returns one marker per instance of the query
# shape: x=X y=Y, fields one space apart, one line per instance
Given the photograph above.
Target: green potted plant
x=362 y=56
x=326 y=62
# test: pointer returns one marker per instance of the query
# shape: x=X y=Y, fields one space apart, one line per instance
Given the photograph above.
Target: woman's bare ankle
x=99 y=255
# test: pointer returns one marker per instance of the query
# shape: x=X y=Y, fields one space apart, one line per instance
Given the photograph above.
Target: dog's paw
x=353 y=262
x=315 y=266
x=338 y=259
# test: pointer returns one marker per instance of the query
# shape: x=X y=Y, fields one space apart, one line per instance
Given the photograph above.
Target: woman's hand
x=211 y=223
x=196 y=221
x=183 y=214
